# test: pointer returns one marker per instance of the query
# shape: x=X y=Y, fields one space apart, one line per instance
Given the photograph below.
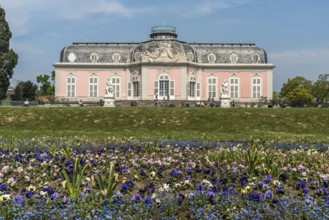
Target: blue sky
x=294 y=33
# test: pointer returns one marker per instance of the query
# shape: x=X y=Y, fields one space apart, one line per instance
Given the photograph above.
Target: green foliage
x=47 y=88
x=297 y=91
x=25 y=90
x=8 y=58
x=73 y=188
x=6 y=102
x=252 y=156
x=299 y=97
x=108 y=183
x=321 y=89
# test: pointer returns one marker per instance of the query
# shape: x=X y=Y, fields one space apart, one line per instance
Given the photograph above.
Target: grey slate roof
x=180 y=51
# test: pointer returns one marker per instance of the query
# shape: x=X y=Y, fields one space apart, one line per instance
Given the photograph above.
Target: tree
x=8 y=58
x=321 y=89
x=295 y=88
x=47 y=88
x=25 y=90
x=299 y=97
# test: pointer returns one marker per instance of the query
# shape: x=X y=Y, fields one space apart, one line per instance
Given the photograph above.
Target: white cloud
x=209 y=6
x=309 y=63
x=20 y=13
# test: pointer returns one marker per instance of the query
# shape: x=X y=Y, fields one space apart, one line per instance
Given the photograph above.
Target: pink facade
x=164 y=68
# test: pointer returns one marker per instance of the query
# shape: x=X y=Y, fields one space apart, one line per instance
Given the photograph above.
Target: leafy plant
x=253 y=155
x=73 y=187
x=108 y=183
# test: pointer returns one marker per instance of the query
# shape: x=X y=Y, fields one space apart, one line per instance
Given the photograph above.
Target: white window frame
x=116 y=82
x=234 y=86
x=256 y=87
x=71 y=86
x=136 y=86
x=93 y=86
x=192 y=88
x=212 y=87
x=164 y=86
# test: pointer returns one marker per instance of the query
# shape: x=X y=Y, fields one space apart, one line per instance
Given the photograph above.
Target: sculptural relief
x=161 y=52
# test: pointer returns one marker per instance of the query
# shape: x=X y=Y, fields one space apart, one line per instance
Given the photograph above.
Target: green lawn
x=166 y=123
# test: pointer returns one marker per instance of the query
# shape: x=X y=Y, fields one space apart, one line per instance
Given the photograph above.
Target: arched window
x=234 y=58
x=116 y=82
x=256 y=85
x=191 y=88
x=116 y=57
x=234 y=86
x=71 y=86
x=255 y=58
x=211 y=58
x=164 y=88
x=136 y=86
x=94 y=57
x=212 y=86
x=93 y=86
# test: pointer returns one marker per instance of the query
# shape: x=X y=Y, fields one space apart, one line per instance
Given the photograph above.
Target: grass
x=165 y=123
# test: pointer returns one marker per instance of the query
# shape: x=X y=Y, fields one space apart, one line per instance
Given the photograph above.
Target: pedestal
x=109 y=101
x=225 y=102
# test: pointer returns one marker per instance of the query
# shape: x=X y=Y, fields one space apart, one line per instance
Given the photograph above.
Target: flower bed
x=107 y=179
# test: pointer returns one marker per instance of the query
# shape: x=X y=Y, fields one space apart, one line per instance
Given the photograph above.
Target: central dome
x=163 y=47
x=163 y=32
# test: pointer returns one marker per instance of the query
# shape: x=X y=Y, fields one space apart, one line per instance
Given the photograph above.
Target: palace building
x=164 y=67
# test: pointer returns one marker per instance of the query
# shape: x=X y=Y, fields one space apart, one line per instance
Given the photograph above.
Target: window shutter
x=172 y=88
x=129 y=89
x=188 y=88
x=198 y=90
x=156 y=87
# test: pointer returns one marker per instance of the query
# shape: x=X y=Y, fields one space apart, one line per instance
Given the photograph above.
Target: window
x=234 y=87
x=191 y=86
x=234 y=58
x=163 y=87
x=70 y=86
x=116 y=85
x=136 y=86
x=255 y=58
x=93 y=86
x=211 y=58
x=94 y=57
x=116 y=57
x=212 y=87
x=256 y=87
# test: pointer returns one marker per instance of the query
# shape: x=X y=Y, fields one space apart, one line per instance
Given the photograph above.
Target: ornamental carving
x=161 y=51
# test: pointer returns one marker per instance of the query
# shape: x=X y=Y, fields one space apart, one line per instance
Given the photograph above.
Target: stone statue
x=224 y=88
x=109 y=91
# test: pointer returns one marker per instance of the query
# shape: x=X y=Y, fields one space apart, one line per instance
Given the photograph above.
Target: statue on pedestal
x=109 y=91
x=109 y=94
x=224 y=88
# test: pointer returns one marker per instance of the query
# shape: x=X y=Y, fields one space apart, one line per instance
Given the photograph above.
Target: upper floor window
x=255 y=58
x=211 y=58
x=116 y=57
x=94 y=57
x=234 y=58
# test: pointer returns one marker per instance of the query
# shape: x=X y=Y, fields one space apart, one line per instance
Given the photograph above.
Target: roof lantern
x=163 y=32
